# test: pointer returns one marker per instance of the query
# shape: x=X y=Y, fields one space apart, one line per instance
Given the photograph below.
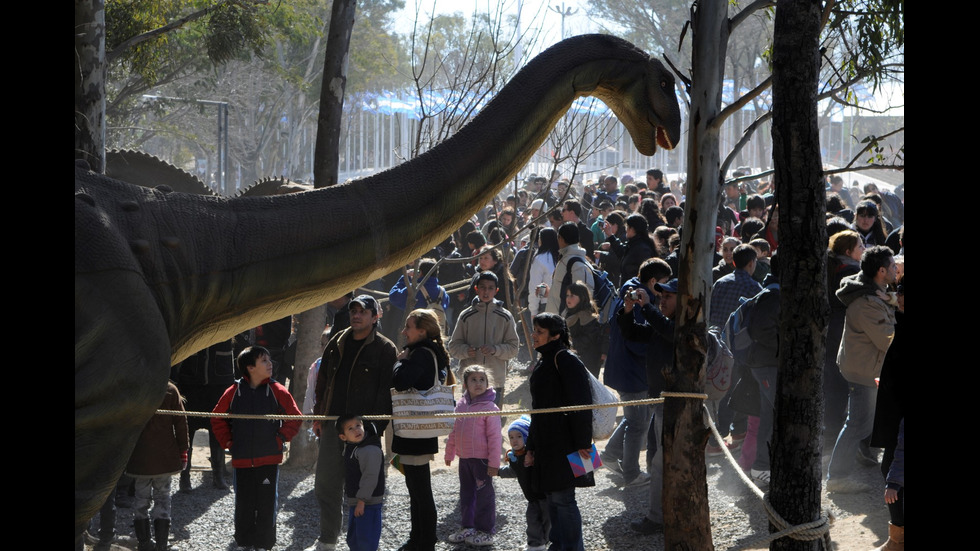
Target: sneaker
x=760 y=477
x=641 y=479
x=320 y=546
x=712 y=450
x=612 y=464
x=480 y=539
x=647 y=526
x=846 y=486
x=460 y=535
x=867 y=457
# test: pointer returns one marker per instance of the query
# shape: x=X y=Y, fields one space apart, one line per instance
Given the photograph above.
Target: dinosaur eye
x=663 y=83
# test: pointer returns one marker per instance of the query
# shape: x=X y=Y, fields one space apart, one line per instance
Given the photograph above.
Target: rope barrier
x=818 y=529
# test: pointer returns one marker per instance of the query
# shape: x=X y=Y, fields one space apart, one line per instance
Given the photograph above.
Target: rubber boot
x=218 y=470
x=185 y=475
x=161 y=528
x=141 y=526
x=896 y=539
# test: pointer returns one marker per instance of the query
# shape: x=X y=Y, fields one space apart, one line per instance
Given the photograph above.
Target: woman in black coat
x=637 y=248
x=423 y=359
x=890 y=411
x=559 y=379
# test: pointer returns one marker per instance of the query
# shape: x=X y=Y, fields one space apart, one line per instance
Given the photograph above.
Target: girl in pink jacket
x=477 y=441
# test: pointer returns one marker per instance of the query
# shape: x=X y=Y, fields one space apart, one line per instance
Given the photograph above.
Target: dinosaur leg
x=122 y=359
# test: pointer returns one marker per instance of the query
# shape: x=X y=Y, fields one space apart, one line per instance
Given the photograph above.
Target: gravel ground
x=203 y=518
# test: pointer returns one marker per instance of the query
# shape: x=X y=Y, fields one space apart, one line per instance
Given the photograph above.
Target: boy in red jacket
x=256 y=445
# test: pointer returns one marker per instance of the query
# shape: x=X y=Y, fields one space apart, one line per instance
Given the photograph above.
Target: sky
x=538 y=12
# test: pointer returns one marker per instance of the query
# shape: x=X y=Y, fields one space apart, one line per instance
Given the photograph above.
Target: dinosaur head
x=643 y=96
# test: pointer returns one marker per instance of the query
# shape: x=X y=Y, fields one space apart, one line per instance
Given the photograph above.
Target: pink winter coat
x=476 y=437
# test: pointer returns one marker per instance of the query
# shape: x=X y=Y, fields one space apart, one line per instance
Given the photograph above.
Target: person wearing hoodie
x=364 y=481
x=568 y=236
x=869 y=328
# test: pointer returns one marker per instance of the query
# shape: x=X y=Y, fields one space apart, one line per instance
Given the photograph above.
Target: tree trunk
x=309 y=327
x=324 y=174
x=686 y=517
x=796 y=449
x=332 y=93
x=90 y=83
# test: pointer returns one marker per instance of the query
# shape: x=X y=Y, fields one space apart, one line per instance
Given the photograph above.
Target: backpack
x=718 y=375
x=736 y=332
x=603 y=290
x=603 y=419
x=436 y=306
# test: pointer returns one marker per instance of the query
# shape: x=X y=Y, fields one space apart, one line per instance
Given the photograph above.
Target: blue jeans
x=655 y=465
x=329 y=485
x=860 y=420
x=766 y=378
x=626 y=442
x=566 y=521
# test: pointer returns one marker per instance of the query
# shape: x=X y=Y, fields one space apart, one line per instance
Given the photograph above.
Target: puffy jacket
x=476 y=437
x=486 y=324
x=255 y=442
x=869 y=327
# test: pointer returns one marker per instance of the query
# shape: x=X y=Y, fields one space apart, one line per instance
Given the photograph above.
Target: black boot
x=185 y=479
x=142 y=528
x=218 y=470
x=161 y=528
x=185 y=475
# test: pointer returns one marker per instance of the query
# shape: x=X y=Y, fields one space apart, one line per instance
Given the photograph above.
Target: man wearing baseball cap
x=355 y=376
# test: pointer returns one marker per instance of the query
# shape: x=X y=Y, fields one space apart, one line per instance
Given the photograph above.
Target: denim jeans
x=655 y=465
x=626 y=442
x=566 y=521
x=329 y=485
x=860 y=420
x=766 y=378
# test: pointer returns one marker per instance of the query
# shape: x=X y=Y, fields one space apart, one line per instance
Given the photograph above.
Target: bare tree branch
x=872 y=143
x=741 y=102
x=744 y=14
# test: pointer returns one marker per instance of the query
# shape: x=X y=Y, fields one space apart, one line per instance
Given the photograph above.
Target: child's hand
x=891 y=496
x=449 y=462
x=359 y=510
x=492 y=471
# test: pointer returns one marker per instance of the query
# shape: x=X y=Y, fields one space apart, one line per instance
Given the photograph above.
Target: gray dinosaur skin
x=161 y=275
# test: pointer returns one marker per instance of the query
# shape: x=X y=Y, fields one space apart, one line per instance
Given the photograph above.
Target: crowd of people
x=580 y=281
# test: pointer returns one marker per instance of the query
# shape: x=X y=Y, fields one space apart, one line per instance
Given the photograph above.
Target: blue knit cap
x=521 y=425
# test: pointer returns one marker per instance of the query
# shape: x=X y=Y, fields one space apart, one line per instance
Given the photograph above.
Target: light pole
x=563 y=12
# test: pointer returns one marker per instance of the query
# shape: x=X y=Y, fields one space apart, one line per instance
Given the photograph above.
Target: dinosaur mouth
x=663 y=140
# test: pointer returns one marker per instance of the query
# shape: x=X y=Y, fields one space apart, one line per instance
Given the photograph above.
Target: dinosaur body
x=161 y=275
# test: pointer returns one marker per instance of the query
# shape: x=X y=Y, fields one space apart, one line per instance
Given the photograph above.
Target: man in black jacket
x=355 y=376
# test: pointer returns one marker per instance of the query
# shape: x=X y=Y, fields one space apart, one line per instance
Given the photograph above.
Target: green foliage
x=234 y=31
x=866 y=39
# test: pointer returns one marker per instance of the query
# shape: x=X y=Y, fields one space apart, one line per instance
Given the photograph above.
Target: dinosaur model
x=143 y=169
x=161 y=275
